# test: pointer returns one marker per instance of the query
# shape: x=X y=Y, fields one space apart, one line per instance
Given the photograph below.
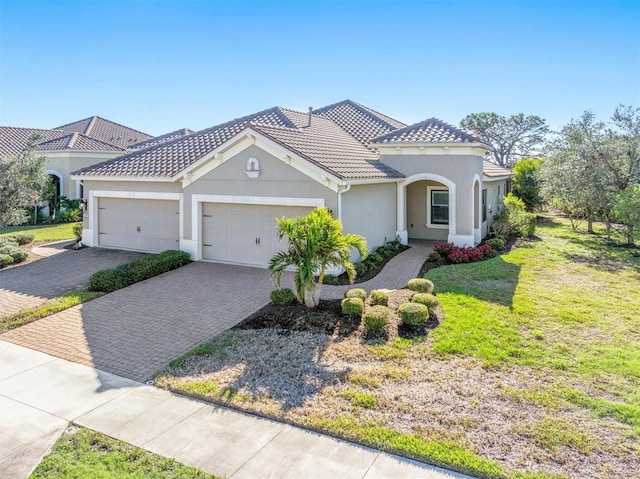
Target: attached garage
x=138 y=224
x=243 y=233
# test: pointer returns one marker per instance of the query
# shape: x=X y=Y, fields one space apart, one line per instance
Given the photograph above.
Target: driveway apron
x=30 y=285
x=137 y=330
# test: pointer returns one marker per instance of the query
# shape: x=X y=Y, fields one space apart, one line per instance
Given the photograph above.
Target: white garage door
x=245 y=234
x=145 y=225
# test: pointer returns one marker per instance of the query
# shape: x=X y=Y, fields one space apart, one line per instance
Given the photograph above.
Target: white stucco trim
x=194 y=246
x=148 y=179
x=242 y=141
x=90 y=235
x=472 y=149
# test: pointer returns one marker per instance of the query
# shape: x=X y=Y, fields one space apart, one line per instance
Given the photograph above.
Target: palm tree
x=315 y=242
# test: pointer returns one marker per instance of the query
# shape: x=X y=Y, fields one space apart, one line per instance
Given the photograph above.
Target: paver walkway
x=40 y=393
x=30 y=285
x=137 y=330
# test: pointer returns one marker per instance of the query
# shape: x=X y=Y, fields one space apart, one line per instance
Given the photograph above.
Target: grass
x=534 y=373
x=42 y=233
x=82 y=453
x=66 y=301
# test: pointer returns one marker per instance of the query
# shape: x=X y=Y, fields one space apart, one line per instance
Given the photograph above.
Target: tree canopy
x=510 y=138
x=22 y=178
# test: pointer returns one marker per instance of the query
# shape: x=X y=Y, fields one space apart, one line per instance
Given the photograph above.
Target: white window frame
x=437 y=225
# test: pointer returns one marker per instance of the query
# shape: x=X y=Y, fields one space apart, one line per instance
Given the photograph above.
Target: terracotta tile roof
x=360 y=122
x=156 y=140
x=14 y=139
x=170 y=158
x=77 y=141
x=328 y=146
x=432 y=130
x=106 y=130
x=490 y=169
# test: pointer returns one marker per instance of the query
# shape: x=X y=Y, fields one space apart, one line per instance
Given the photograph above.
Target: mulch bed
x=343 y=279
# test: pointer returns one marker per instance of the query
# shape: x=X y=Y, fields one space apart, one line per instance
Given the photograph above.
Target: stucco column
x=401 y=214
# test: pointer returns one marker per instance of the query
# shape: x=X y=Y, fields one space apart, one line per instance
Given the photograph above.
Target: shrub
x=379 y=297
x=356 y=293
x=420 y=285
x=429 y=300
x=109 y=280
x=330 y=279
x=8 y=241
x=521 y=223
x=5 y=260
x=444 y=249
x=414 y=314
x=282 y=297
x=496 y=243
x=18 y=255
x=22 y=238
x=434 y=257
x=376 y=318
x=77 y=232
x=471 y=255
x=352 y=307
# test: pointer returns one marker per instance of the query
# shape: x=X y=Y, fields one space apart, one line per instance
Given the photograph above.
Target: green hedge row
x=109 y=280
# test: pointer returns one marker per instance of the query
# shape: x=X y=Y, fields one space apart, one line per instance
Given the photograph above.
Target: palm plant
x=316 y=241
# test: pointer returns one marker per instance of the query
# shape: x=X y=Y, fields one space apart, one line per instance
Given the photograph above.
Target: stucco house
x=79 y=144
x=215 y=193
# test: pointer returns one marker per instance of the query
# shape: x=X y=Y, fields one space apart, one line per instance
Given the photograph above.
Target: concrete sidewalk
x=40 y=394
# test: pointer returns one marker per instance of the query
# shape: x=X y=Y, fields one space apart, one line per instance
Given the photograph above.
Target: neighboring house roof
x=77 y=141
x=431 y=130
x=156 y=140
x=106 y=130
x=492 y=170
x=13 y=140
x=360 y=122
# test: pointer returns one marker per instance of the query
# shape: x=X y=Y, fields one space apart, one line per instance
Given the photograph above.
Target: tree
x=316 y=241
x=22 y=178
x=627 y=210
x=526 y=184
x=510 y=138
x=590 y=163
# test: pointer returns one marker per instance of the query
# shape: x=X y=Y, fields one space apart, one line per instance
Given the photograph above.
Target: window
x=484 y=205
x=439 y=207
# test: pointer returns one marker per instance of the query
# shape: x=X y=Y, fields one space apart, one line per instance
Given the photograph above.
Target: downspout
x=347 y=188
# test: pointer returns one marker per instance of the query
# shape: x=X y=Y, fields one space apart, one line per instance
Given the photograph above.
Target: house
x=215 y=193
x=79 y=144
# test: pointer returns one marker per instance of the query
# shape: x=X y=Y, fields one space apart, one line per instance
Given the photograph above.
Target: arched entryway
x=57 y=182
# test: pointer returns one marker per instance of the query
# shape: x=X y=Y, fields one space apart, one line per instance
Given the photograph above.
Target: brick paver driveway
x=137 y=330
x=32 y=284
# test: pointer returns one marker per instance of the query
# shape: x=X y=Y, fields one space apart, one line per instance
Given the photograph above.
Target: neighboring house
x=215 y=193
x=77 y=145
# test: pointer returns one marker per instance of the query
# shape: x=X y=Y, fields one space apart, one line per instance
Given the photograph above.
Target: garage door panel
x=146 y=225
x=231 y=231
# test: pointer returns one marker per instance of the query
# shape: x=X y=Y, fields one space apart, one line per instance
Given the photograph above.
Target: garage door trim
x=197 y=201
x=90 y=235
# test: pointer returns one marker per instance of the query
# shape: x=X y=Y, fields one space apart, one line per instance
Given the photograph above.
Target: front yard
x=534 y=372
x=42 y=233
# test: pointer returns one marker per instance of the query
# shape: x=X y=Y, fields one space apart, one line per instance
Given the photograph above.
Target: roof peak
x=431 y=130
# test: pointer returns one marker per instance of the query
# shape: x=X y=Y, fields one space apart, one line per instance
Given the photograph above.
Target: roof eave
x=398 y=144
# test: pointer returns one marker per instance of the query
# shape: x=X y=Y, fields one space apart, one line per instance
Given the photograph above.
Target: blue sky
x=162 y=65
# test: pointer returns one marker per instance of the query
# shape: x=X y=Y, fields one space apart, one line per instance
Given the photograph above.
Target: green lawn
x=42 y=233
x=83 y=453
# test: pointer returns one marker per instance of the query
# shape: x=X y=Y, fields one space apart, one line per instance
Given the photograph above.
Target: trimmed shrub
x=420 y=285
x=18 y=255
x=443 y=249
x=356 y=293
x=434 y=257
x=429 y=300
x=496 y=243
x=376 y=318
x=5 y=260
x=414 y=314
x=352 y=307
x=23 y=239
x=109 y=280
x=282 y=297
x=8 y=241
x=379 y=297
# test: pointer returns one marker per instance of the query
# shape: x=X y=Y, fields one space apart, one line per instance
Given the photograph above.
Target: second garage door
x=144 y=225
x=245 y=234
